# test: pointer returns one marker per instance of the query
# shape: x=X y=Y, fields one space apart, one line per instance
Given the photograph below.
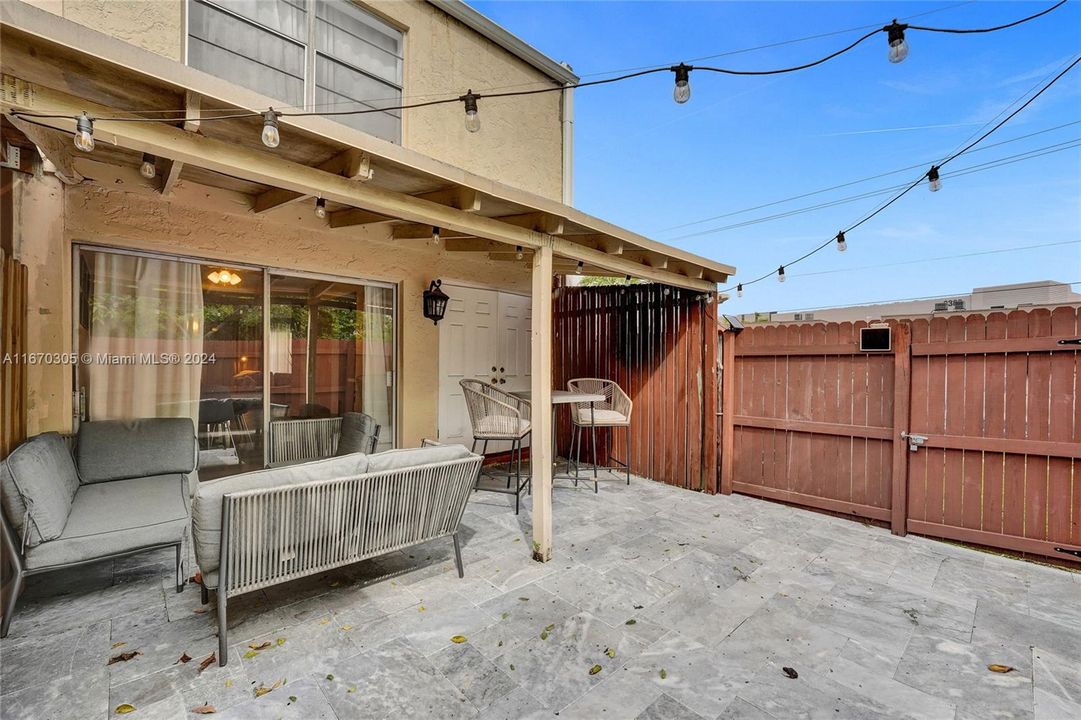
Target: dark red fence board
x=654 y=344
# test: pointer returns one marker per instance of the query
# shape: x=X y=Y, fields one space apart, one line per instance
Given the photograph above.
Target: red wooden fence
x=810 y=419
x=659 y=344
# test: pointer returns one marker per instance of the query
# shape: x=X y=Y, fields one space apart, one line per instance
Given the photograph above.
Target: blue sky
x=649 y=164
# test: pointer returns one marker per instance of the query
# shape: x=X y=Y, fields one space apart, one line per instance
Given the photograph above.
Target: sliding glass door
x=330 y=352
x=264 y=363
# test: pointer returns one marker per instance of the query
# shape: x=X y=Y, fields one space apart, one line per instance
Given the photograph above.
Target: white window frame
x=310 y=51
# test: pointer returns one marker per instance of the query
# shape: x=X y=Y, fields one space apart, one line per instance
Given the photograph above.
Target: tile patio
x=689 y=604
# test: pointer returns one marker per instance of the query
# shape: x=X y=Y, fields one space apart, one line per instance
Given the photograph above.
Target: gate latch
x=914 y=441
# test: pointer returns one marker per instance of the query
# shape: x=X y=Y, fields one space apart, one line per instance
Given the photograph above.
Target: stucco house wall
x=121 y=210
x=522 y=143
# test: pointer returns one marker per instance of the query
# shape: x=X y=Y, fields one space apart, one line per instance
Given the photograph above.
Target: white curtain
x=144 y=308
x=378 y=382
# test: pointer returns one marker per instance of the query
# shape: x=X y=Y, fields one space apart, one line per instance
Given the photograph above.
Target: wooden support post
x=728 y=409
x=710 y=436
x=540 y=444
x=902 y=385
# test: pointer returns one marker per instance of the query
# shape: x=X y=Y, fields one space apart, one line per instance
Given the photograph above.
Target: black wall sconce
x=435 y=302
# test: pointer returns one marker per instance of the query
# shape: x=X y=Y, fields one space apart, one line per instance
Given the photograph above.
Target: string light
x=472 y=120
x=842 y=244
x=739 y=290
x=518 y=252
x=682 y=91
x=931 y=175
x=271 y=137
x=898 y=45
x=895 y=32
x=147 y=169
x=578 y=270
x=320 y=208
x=435 y=235
x=84 y=133
x=933 y=180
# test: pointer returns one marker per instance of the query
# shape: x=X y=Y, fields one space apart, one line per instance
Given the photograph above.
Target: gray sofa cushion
x=120 y=449
x=115 y=517
x=39 y=475
x=206 y=510
x=412 y=457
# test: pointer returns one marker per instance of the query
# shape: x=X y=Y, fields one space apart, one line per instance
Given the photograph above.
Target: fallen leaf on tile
x=204 y=710
x=207 y=661
x=610 y=652
x=595 y=669
x=183 y=659
x=512 y=667
x=118 y=644
x=280 y=641
x=260 y=646
x=123 y=657
x=632 y=621
x=663 y=673
x=324 y=621
x=351 y=689
x=550 y=628
x=262 y=690
x=639 y=607
x=524 y=599
x=229 y=683
x=250 y=654
x=505 y=615
x=1000 y=668
x=330 y=677
x=458 y=639
x=420 y=609
x=125 y=708
x=790 y=672
x=347 y=628
x=292 y=698
x=544 y=635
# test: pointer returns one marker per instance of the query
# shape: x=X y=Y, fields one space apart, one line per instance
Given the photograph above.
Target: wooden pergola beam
x=351 y=163
x=461 y=198
x=169 y=170
x=416 y=231
x=539 y=222
x=255 y=165
x=53 y=147
x=355 y=216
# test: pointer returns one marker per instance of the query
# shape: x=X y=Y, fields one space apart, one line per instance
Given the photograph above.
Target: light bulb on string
x=681 y=93
x=898 y=44
x=147 y=169
x=780 y=274
x=271 y=137
x=320 y=207
x=472 y=119
x=84 y=133
x=934 y=182
x=435 y=235
x=518 y=252
x=578 y=269
x=739 y=290
x=842 y=245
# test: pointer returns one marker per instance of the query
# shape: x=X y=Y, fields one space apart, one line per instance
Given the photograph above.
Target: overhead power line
x=932 y=176
x=898 y=50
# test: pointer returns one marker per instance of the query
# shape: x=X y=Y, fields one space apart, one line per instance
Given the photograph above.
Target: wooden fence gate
x=968 y=429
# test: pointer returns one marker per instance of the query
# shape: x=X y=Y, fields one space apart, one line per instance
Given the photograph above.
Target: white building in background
x=981 y=299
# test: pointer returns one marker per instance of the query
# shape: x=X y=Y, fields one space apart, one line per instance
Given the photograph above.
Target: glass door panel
x=331 y=351
x=171 y=338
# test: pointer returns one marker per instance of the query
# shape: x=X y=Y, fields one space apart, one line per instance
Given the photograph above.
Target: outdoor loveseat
x=125 y=491
x=262 y=528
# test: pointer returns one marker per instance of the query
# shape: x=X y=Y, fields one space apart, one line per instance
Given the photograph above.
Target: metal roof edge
x=507 y=40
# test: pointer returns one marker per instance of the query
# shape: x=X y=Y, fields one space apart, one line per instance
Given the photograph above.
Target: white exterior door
x=484 y=336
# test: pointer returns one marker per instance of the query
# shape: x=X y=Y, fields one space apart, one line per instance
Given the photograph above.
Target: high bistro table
x=563 y=397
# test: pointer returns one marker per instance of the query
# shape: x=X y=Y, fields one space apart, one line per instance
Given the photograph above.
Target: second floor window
x=322 y=55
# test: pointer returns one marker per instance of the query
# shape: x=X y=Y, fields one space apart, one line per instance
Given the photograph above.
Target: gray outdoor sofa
x=262 y=528
x=125 y=491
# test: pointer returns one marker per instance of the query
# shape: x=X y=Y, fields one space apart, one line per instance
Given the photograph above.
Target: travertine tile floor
x=689 y=605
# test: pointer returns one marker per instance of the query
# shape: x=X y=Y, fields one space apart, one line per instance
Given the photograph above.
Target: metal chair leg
x=628 y=456
x=204 y=595
x=180 y=567
x=223 y=628
x=458 y=556
x=13 y=599
x=594 y=452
